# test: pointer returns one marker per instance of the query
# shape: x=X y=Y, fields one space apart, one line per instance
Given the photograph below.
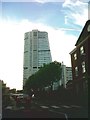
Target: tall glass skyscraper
x=36 y=52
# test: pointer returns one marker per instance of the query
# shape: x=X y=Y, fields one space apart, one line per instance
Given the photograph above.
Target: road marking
x=9 y=107
x=22 y=107
x=60 y=113
x=44 y=107
x=76 y=106
x=66 y=116
x=55 y=106
x=66 y=106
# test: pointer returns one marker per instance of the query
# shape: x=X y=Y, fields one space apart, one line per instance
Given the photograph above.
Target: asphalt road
x=37 y=110
x=32 y=114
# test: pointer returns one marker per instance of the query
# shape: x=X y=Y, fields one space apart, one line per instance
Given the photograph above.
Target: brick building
x=80 y=59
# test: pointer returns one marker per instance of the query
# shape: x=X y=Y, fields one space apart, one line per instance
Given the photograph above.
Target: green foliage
x=5 y=96
x=46 y=75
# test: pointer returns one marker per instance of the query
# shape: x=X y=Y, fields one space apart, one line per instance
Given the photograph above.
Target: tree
x=52 y=73
x=5 y=95
x=47 y=74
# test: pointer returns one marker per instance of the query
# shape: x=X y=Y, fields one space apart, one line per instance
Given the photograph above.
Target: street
x=37 y=110
x=32 y=114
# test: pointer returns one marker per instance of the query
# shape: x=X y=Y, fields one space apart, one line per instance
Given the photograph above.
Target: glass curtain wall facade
x=36 y=52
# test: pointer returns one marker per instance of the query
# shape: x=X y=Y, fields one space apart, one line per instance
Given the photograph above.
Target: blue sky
x=62 y=20
x=52 y=13
x=46 y=13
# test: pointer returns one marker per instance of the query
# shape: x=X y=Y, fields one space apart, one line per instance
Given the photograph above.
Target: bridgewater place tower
x=36 y=52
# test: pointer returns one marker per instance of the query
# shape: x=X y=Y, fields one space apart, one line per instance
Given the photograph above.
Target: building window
x=35 y=33
x=76 y=71
x=26 y=36
x=83 y=67
x=81 y=50
x=25 y=68
x=75 y=56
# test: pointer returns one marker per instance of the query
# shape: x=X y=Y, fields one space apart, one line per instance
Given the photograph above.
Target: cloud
x=70 y=29
x=77 y=11
x=61 y=43
x=65 y=19
x=11 y=54
x=40 y=1
x=44 y=1
x=12 y=48
x=0 y=10
x=17 y=0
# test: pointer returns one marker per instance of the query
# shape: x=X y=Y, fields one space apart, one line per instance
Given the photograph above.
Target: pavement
x=39 y=109
x=71 y=111
x=34 y=113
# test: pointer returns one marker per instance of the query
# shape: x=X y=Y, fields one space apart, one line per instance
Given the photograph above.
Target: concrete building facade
x=36 y=52
x=65 y=77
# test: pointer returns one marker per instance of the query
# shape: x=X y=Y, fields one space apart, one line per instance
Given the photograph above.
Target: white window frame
x=81 y=50
x=83 y=67
x=75 y=56
x=76 y=71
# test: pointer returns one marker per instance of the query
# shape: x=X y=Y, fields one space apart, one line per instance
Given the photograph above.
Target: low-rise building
x=80 y=59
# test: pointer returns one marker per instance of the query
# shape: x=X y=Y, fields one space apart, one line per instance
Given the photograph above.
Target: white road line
x=66 y=116
x=9 y=107
x=22 y=107
x=55 y=106
x=76 y=106
x=66 y=106
x=60 y=113
x=44 y=107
